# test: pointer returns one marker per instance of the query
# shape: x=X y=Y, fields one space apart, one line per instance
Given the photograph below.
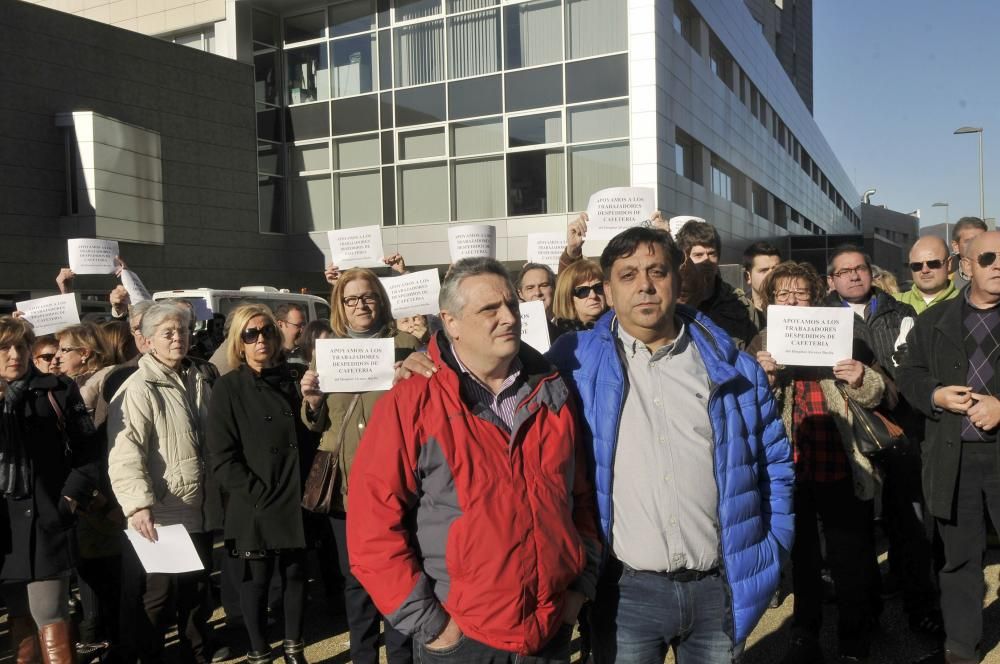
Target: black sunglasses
x=45 y=357
x=935 y=264
x=581 y=292
x=250 y=334
x=986 y=258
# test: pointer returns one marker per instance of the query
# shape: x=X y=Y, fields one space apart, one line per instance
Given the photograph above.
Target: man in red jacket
x=472 y=521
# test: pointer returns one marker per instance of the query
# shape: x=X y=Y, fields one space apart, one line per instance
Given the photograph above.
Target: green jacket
x=915 y=298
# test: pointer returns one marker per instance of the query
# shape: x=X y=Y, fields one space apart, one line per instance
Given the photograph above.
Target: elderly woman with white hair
x=156 y=428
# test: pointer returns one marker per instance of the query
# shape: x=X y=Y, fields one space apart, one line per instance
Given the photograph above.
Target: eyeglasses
x=918 y=266
x=297 y=326
x=581 y=292
x=45 y=357
x=175 y=333
x=786 y=295
x=353 y=300
x=987 y=258
x=249 y=335
x=850 y=271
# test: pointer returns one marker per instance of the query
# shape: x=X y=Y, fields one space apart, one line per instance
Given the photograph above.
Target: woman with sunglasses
x=43 y=354
x=579 y=298
x=359 y=310
x=156 y=430
x=259 y=452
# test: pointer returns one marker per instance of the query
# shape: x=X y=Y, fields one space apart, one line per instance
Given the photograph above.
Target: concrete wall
x=150 y=17
x=202 y=108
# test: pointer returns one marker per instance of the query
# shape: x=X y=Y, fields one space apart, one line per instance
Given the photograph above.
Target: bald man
x=950 y=372
x=931 y=284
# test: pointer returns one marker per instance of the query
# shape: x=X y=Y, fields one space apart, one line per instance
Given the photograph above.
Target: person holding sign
x=259 y=451
x=579 y=296
x=49 y=458
x=359 y=310
x=834 y=482
x=472 y=519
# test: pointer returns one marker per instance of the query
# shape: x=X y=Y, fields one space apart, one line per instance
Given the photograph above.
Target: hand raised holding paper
x=851 y=372
x=64 y=280
x=311 y=393
x=576 y=233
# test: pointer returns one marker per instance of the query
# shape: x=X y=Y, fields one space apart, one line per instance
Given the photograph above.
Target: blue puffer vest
x=753 y=457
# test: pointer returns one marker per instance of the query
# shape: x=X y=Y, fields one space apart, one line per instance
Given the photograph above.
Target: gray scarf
x=374 y=333
x=15 y=469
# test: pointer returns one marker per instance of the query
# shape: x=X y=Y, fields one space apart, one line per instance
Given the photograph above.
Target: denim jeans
x=469 y=651
x=637 y=616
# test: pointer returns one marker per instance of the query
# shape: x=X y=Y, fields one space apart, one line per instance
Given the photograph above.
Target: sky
x=892 y=79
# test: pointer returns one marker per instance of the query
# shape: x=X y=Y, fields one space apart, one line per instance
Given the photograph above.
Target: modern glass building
x=417 y=114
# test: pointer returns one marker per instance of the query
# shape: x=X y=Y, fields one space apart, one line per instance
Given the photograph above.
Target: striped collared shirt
x=502 y=404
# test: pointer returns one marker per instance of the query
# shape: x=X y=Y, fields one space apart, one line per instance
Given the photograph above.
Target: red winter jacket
x=451 y=516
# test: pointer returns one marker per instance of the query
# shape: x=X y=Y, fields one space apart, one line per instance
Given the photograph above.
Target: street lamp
x=977 y=130
x=945 y=206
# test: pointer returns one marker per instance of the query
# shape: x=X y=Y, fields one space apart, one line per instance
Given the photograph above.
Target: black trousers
x=850 y=552
x=468 y=651
x=255 y=576
x=152 y=602
x=362 y=616
x=964 y=538
x=100 y=593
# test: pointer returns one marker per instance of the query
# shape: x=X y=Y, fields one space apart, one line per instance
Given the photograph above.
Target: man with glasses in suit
x=931 y=283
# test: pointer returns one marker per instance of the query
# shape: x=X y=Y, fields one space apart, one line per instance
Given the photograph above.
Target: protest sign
x=88 y=256
x=810 y=336
x=546 y=248
x=677 y=223
x=413 y=293
x=356 y=247
x=136 y=289
x=50 y=314
x=610 y=211
x=355 y=365
x=173 y=551
x=472 y=241
x=534 y=325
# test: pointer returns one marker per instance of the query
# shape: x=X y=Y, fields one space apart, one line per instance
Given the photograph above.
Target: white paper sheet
x=677 y=223
x=173 y=551
x=610 y=211
x=355 y=365
x=413 y=293
x=50 y=314
x=356 y=247
x=137 y=291
x=472 y=241
x=534 y=325
x=545 y=248
x=810 y=336
x=87 y=256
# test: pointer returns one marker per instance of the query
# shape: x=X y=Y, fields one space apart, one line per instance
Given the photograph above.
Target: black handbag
x=875 y=432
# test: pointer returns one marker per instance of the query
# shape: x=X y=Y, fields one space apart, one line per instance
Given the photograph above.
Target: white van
x=209 y=302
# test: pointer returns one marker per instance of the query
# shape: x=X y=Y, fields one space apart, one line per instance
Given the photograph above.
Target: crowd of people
x=485 y=519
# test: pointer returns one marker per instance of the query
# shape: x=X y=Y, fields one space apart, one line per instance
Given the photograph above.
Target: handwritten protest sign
x=88 y=256
x=355 y=365
x=472 y=241
x=50 y=314
x=810 y=336
x=356 y=247
x=413 y=293
x=610 y=211
x=534 y=325
x=545 y=248
x=136 y=289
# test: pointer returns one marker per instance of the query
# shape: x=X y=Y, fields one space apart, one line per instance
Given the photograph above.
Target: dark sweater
x=981 y=347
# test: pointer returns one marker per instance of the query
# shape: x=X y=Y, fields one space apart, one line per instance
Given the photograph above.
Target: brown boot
x=57 y=643
x=24 y=639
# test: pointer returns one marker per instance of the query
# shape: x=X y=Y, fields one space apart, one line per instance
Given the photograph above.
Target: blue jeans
x=638 y=615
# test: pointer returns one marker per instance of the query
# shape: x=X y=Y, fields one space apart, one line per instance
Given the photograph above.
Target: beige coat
x=156 y=425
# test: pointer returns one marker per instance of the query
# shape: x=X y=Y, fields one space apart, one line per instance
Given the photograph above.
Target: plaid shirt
x=818 y=451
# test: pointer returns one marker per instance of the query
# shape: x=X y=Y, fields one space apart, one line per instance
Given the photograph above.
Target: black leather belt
x=679 y=575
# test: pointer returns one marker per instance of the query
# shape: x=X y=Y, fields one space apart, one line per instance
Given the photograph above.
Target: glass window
x=476 y=137
x=533 y=33
x=474 y=96
x=474 y=44
x=594 y=27
x=388 y=147
x=478 y=189
x=308 y=121
x=357 y=151
x=305 y=26
x=598 y=121
x=422 y=143
x=269 y=158
x=534 y=88
x=358 y=199
x=314 y=157
x=388 y=196
x=352 y=16
x=680 y=160
x=599 y=78
x=539 y=129
x=423 y=193
x=384 y=60
x=419 y=53
x=269 y=124
x=420 y=105
x=352 y=65
x=308 y=74
x=407 y=10
x=355 y=115
x=265 y=67
x=385 y=109
x=263 y=28
x=596 y=167
x=466 y=5
x=536 y=182
x=722 y=184
x=270 y=204
x=312 y=204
